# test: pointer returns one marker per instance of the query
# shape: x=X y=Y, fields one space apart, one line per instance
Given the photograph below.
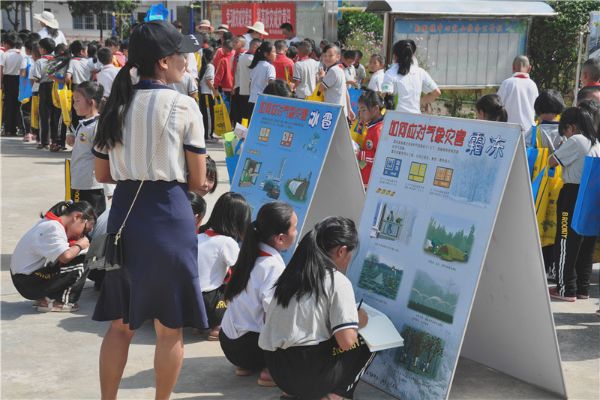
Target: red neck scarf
x=52 y=217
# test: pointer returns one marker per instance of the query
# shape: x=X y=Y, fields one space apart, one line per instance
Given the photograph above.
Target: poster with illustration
x=284 y=153
x=430 y=210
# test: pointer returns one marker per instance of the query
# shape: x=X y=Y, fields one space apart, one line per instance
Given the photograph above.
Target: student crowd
x=142 y=113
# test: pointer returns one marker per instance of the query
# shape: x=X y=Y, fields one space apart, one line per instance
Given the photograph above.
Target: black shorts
x=311 y=372
x=214 y=302
x=243 y=352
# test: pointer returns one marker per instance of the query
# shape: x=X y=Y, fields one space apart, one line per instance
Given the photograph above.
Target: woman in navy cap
x=150 y=141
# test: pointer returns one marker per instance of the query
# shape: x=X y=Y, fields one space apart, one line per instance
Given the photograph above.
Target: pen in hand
x=360 y=304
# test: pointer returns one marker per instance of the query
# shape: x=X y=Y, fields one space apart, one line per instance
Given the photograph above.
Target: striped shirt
x=142 y=131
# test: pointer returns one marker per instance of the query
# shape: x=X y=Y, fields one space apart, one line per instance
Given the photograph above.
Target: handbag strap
x=118 y=235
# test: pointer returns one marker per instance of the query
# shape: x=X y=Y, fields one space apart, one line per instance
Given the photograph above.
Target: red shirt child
x=224 y=72
x=366 y=154
x=284 y=67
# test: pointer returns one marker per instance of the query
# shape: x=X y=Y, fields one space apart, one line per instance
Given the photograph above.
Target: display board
x=299 y=152
x=594 y=37
x=433 y=200
x=466 y=52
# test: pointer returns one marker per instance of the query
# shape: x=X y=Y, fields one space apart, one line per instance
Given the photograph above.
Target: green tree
x=100 y=8
x=13 y=11
x=356 y=21
x=553 y=44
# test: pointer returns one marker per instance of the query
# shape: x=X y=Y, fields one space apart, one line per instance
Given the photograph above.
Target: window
x=84 y=22
x=105 y=21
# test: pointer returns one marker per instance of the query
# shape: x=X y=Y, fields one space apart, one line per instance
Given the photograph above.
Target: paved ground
x=54 y=356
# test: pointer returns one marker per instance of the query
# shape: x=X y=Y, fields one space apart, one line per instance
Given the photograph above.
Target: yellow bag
x=358 y=132
x=65 y=96
x=222 y=121
x=35 y=112
x=317 y=95
x=541 y=161
x=67 y=179
x=546 y=212
x=55 y=98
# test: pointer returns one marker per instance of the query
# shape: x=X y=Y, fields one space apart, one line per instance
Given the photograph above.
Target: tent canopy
x=464 y=8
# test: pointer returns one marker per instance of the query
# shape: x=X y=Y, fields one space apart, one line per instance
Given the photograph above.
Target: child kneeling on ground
x=45 y=266
x=310 y=336
x=250 y=289
x=217 y=251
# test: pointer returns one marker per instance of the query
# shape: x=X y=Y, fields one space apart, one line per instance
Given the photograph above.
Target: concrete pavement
x=55 y=356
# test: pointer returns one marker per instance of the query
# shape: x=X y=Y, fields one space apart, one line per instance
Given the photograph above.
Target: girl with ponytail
x=404 y=81
x=490 y=108
x=46 y=266
x=250 y=288
x=310 y=336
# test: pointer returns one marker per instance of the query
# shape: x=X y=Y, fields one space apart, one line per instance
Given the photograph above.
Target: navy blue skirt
x=160 y=250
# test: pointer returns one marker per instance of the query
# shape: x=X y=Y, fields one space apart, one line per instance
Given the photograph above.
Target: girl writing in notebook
x=310 y=337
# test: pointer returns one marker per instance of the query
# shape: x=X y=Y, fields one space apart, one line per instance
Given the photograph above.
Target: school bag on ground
x=586 y=217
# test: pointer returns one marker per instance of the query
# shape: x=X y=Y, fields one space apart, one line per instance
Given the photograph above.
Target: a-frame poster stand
x=450 y=252
x=300 y=152
x=511 y=327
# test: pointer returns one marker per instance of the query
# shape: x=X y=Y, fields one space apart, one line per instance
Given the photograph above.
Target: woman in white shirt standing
x=150 y=141
x=406 y=81
x=310 y=336
x=250 y=289
x=50 y=28
x=262 y=70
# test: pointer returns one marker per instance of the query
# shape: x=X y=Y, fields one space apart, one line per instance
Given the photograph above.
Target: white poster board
x=429 y=226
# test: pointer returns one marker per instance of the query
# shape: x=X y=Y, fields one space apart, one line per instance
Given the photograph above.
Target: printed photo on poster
x=296 y=188
x=422 y=352
x=434 y=297
x=393 y=222
x=272 y=182
x=250 y=172
x=380 y=276
x=449 y=238
x=474 y=180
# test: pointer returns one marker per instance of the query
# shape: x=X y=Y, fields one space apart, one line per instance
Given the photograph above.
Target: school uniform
x=407 y=88
x=187 y=86
x=106 y=77
x=518 y=94
x=240 y=107
x=284 y=67
x=350 y=73
x=572 y=252
x=25 y=108
x=244 y=319
x=361 y=75
x=49 y=115
x=35 y=102
x=260 y=75
x=335 y=83
x=160 y=276
x=207 y=101
x=80 y=71
x=11 y=65
x=300 y=348
x=544 y=135
x=35 y=269
x=305 y=75
x=376 y=81
x=84 y=185
x=366 y=155
x=216 y=254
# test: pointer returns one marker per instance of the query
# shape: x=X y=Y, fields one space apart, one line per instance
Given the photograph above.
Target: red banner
x=240 y=15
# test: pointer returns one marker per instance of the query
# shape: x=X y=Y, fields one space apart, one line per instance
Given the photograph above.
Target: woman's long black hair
x=67 y=207
x=272 y=219
x=207 y=57
x=306 y=271
x=403 y=51
x=230 y=216
x=259 y=55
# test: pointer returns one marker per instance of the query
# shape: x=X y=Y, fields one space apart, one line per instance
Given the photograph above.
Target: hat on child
x=205 y=24
x=223 y=28
x=151 y=41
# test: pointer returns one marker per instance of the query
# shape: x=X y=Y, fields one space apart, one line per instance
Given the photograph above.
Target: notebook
x=379 y=333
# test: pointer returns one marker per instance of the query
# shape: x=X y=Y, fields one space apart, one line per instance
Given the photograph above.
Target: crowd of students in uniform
x=296 y=325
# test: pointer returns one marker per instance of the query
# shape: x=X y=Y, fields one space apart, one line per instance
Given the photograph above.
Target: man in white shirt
x=108 y=72
x=288 y=31
x=10 y=68
x=241 y=85
x=518 y=93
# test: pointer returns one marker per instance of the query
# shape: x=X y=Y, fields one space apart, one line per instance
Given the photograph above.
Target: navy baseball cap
x=151 y=41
